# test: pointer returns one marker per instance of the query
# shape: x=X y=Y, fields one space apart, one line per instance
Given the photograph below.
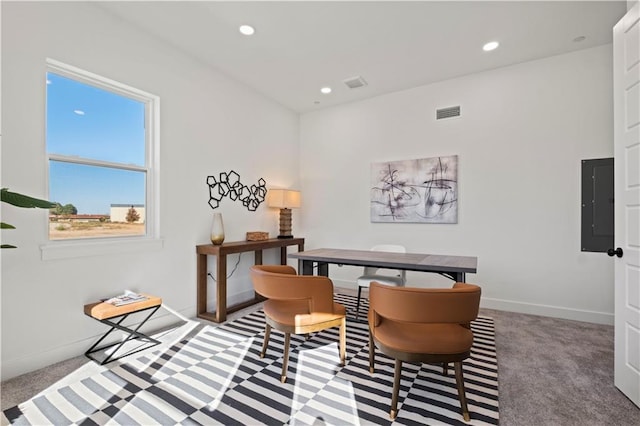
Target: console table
x=221 y=253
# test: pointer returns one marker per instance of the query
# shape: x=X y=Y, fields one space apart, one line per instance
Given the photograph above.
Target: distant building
x=119 y=212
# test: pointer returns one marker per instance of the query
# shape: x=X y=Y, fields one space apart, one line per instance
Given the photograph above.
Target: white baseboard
x=351 y=285
x=234 y=299
x=606 y=318
x=162 y=319
x=25 y=364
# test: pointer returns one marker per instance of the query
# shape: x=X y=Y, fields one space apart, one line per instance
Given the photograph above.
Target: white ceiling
x=302 y=46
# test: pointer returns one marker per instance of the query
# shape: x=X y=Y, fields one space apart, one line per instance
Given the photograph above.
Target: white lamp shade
x=284 y=198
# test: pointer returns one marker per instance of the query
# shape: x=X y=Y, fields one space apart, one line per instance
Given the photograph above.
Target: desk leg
x=300 y=262
x=460 y=277
x=201 y=300
x=257 y=260
x=221 y=289
x=323 y=269
x=283 y=255
x=306 y=266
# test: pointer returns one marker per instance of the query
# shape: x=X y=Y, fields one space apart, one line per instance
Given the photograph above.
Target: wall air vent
x=449 y=112
x=355 y=82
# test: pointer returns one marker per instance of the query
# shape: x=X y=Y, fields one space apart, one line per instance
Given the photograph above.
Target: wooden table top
x=103 y=310
x=244 y=246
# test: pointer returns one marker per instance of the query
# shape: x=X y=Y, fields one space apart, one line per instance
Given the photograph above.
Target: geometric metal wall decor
x=418 y=191
x=229 y=185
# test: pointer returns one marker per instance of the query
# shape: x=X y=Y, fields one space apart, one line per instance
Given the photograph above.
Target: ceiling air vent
x=355 y=82
x=449 y=112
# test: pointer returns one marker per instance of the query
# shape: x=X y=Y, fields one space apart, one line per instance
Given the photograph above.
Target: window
x=102 y=142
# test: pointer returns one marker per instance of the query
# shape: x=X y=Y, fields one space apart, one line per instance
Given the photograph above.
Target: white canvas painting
x=418 y=191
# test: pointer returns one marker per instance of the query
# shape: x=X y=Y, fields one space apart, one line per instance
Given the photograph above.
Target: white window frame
x=60 y=249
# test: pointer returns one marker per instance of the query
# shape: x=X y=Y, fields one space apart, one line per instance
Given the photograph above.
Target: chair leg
x=461 y=392
x=358 y=302
x=343 y=341
x=372 y=354
x=396 y=389
x=445 y=368
x=285 y=357
x=265 y=343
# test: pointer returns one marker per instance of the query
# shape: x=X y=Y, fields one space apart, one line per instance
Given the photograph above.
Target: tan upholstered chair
x=390 y=277
x=423 y=325
x=298 y=304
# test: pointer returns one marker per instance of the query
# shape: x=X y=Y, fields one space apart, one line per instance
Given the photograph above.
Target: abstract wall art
x=229 y=185
x=417 y=191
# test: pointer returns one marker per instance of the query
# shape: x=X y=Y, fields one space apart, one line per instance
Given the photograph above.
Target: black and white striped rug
x=214 y=375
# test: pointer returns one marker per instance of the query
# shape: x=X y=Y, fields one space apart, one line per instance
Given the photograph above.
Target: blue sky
x=92 y=123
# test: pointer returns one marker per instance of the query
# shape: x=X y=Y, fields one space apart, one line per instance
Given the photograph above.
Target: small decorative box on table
x=257 y=236
x=107 y=313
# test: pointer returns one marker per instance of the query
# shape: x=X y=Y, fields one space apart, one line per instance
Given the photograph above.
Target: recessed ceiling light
x=325 y=90
x=78 y=111
x=492 y=45
x=247 y=29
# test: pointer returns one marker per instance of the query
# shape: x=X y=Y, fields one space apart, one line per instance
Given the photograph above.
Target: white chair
x=392 y=277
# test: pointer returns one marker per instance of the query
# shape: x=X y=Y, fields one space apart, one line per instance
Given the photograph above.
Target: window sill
x=65 y=249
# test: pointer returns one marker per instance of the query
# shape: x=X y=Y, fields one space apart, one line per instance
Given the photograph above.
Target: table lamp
x=285 y=200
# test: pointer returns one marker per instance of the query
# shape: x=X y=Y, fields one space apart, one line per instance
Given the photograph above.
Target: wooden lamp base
x=285 y=223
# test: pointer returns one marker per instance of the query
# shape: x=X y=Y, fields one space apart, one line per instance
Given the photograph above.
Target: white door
x=626 y=88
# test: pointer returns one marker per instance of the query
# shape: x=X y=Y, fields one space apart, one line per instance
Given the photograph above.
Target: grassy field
x=68 y=230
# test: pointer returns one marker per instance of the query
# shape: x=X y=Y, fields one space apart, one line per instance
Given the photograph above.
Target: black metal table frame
x=133 y=334
x=320 y=259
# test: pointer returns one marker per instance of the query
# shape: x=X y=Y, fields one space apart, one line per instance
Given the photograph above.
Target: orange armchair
x=429 y=325
x=298 y=304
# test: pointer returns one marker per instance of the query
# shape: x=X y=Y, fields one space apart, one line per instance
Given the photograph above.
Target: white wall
x=523 y=131
x=520 y=140
x=209 y=124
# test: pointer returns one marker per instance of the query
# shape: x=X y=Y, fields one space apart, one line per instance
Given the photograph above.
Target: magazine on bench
x=126 y=298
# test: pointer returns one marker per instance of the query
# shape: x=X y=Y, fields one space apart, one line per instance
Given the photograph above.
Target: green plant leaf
x=7 y=246
x=25 y=201
x=6 y=226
